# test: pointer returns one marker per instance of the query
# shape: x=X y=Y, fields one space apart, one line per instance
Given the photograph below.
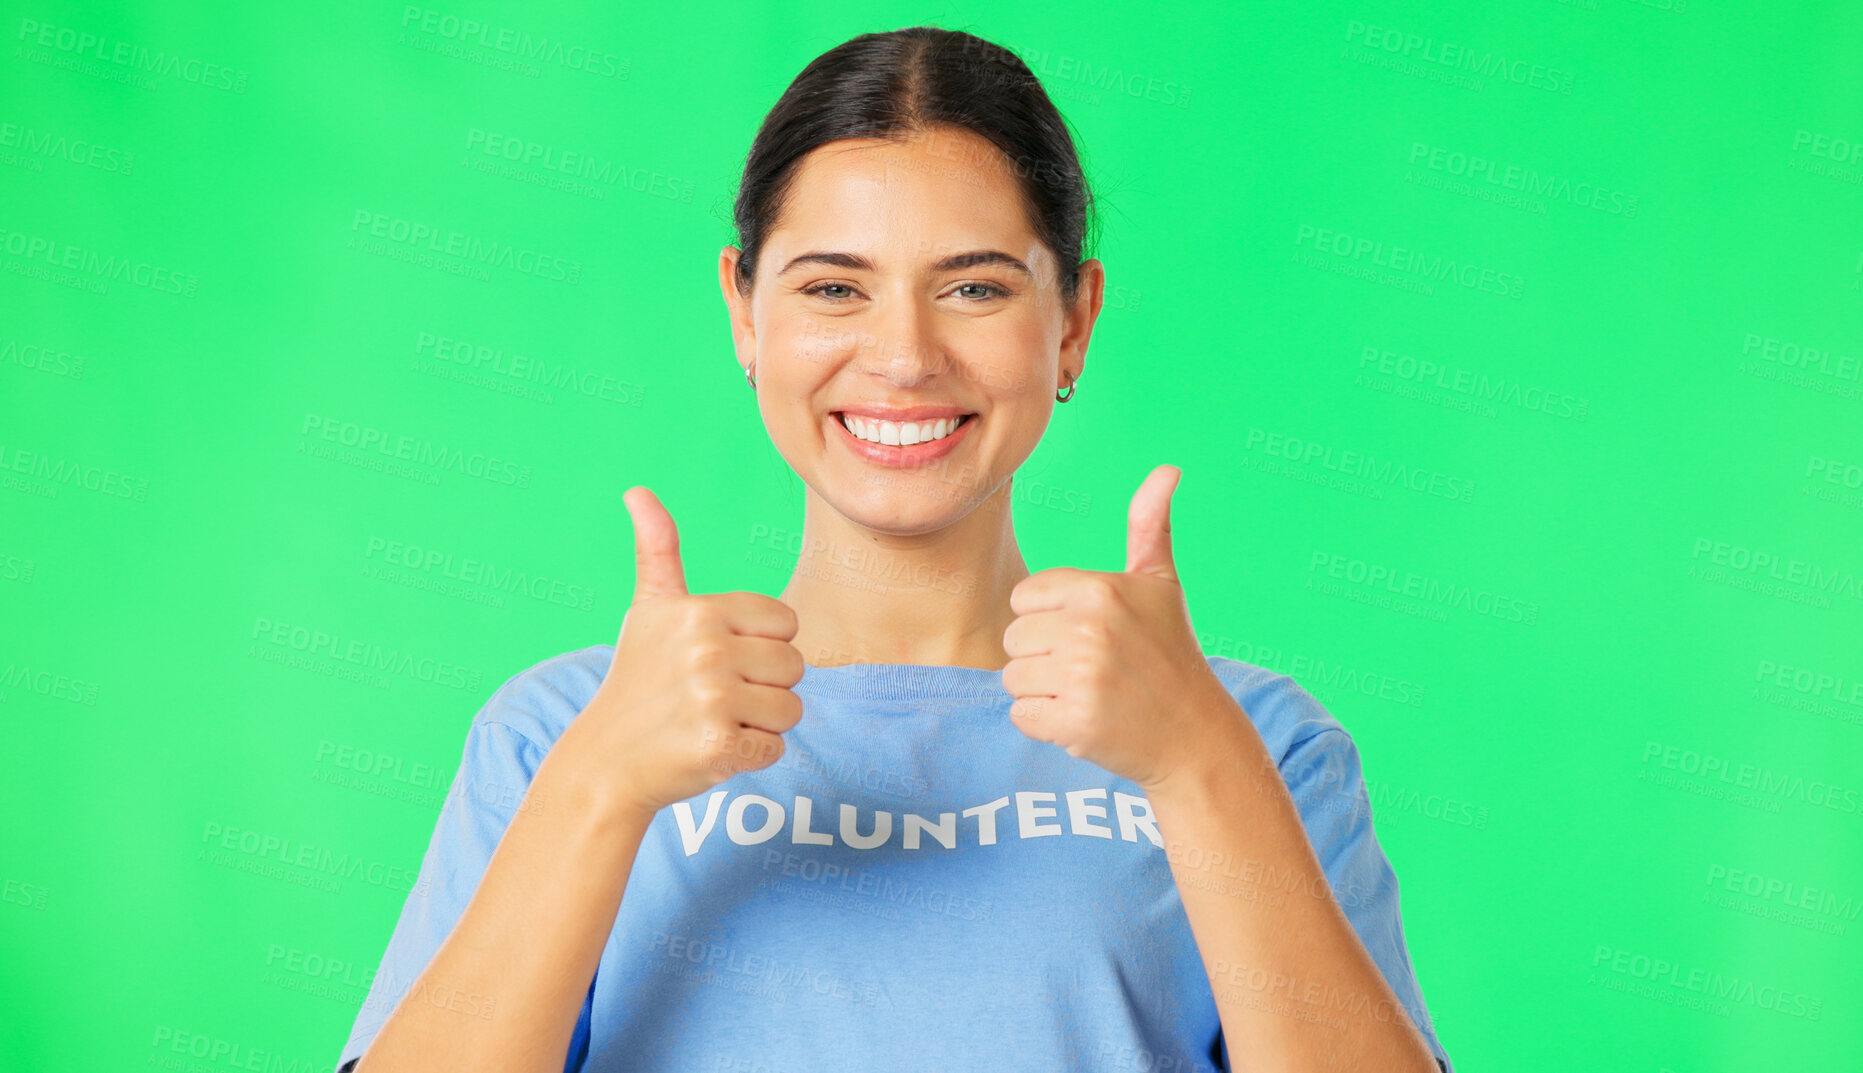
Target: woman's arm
x=1289 y=973
x=527 y=943
x=699 y=689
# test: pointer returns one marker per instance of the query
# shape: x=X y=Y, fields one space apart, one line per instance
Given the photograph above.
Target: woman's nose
x=906 y=335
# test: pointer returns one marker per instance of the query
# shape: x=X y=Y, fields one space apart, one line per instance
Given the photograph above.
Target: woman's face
x=906 y=275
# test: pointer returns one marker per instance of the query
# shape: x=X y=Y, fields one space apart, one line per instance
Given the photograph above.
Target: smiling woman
x=925 y=810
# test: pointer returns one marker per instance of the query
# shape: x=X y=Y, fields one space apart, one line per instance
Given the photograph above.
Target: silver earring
x=1058 y=397
x=750 y=375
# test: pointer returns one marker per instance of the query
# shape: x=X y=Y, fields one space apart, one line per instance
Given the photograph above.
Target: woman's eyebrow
x=982 y=257
x=968 y=259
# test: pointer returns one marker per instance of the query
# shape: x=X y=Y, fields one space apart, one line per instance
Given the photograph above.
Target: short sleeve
x=1325 y=779
x=495 y=770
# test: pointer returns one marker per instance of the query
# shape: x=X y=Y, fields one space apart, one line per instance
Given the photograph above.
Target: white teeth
x=899 y=434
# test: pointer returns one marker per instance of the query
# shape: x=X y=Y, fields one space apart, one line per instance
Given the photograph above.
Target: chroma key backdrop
x=1512 y=355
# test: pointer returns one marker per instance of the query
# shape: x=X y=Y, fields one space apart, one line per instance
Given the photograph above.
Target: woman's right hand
x=699 y=688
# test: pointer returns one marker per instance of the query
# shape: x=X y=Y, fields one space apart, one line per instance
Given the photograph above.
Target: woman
x=927 y=810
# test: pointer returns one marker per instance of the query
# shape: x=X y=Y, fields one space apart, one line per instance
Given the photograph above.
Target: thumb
x=1148 y=530
x=657 y=571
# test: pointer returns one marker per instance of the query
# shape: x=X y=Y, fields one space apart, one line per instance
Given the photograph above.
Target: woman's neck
x=937 y=599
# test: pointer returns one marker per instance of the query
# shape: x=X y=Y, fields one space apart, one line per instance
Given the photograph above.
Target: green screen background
x=1543 y=474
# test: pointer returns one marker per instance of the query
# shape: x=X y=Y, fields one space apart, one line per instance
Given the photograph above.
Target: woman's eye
x=841 y=292
x=990 y=290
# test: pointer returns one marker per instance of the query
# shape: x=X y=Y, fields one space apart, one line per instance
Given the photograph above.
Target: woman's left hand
x=1107 y=666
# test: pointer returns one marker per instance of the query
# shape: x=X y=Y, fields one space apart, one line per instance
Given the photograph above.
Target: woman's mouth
x=898 y=452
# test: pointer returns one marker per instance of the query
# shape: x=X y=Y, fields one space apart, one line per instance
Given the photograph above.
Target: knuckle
x=707 y=655
x=707 y=691
x=690 y=613
x=792 y=709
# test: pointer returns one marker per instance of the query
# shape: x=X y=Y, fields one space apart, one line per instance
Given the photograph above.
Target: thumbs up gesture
x=700 y=688
x=1107 y=666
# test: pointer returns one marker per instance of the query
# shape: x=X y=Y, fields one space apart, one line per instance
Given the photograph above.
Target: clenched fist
x=701 y=686
x=1105 y=664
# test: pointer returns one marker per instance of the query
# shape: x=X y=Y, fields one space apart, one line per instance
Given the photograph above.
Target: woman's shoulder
x=540 y=700
x=1283 y=712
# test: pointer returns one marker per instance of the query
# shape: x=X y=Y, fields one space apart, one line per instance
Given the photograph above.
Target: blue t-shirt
x=914 y=885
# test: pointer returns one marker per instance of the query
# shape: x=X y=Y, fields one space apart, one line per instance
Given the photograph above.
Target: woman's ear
x=737 y=308
x=1077 y=321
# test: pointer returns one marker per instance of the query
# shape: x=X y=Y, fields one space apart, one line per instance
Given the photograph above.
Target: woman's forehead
x=910 y=197
x=962 y=166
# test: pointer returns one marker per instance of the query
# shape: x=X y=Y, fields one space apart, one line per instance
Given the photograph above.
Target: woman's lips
x=902 y=457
